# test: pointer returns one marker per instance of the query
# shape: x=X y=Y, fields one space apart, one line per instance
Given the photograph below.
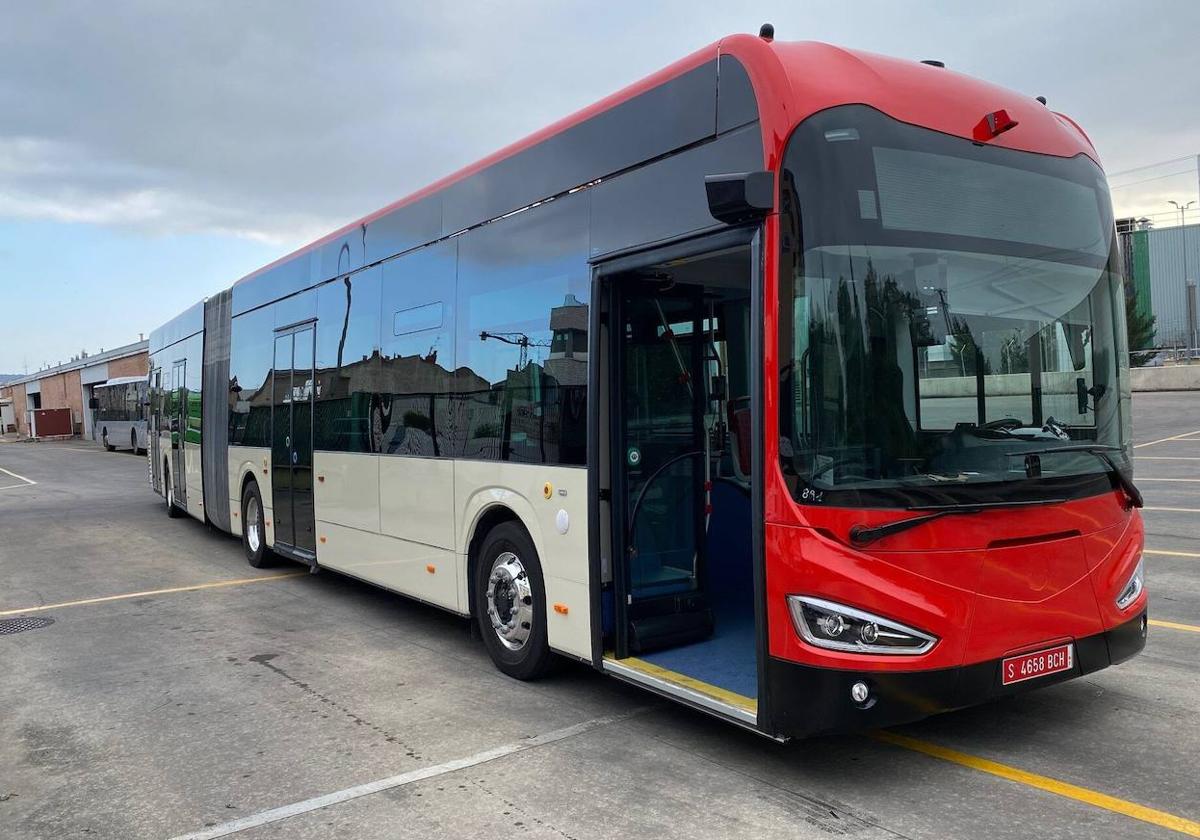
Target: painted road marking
x=1163 y=553
x=151 y=592
x=1174 y=625
x=1174 y=510
x=1140 y=479
x=1059 y=788
x=317 y=802
x=1183 y=436
x=26 y=482
x=738 y=701
x=1166 y=457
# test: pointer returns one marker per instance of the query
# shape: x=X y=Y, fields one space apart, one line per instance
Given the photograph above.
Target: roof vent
x=933 y=62
x=766 y=32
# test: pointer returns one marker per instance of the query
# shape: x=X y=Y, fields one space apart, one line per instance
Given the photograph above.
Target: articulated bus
x=789 y=382
x=119 y=413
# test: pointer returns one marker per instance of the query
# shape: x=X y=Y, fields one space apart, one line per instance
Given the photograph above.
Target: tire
x=104 y=440
x=169 y=487
x=512 y=618
x=254 y=532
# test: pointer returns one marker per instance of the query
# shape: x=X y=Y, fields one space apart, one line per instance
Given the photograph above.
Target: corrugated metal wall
x=1158 y=259
x=1168 y=258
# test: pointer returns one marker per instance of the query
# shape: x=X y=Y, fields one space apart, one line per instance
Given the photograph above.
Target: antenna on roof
x=766 y=32
x=933 y=62
x=1041 y=99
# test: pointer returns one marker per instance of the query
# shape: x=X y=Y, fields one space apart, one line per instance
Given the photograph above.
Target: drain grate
x=9 y=626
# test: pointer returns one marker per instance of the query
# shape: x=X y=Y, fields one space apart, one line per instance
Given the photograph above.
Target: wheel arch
x=485 y=520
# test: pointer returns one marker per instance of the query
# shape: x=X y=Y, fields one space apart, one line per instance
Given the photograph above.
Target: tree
x=1140 y=326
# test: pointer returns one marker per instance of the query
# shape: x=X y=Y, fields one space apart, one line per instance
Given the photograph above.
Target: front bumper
x=811 y=701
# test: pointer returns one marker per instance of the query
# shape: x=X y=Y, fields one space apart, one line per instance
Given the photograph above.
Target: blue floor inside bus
x=727 y=659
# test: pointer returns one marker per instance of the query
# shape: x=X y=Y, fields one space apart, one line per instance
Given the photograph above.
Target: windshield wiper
x=861 y=535
x=1100 y=451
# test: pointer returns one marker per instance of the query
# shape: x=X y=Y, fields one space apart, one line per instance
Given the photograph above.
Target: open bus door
x=684 y=574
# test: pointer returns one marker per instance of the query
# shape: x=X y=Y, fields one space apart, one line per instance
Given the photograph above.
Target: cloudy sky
x=151 y=153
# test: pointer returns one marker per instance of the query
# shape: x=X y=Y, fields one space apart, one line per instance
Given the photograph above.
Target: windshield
x=949 y=313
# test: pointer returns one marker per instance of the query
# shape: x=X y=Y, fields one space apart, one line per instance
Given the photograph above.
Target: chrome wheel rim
x=510 y=601
x=253 y=524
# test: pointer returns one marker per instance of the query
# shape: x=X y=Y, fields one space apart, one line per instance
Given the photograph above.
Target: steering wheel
x=1003 y=423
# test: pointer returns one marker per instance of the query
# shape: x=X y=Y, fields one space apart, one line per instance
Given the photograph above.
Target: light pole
x=1182 y=208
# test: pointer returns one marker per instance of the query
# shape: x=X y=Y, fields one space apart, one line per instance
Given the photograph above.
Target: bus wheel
x=137 y=450
x=172 y=511
x=254 y=532
x=510 y=603
x=104 y=440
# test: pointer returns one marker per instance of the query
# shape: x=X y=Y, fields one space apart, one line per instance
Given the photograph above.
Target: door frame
x=599 y=342
x=177 y=425
x=288 y=546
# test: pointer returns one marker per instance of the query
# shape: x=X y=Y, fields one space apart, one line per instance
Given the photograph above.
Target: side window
x=347 y=363
x=521 y=337
x=251 y=357
x=415 y=415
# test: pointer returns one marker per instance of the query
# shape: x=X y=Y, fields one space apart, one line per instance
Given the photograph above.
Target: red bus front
x=951 y=518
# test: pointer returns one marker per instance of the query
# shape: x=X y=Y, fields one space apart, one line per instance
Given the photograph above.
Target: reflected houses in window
x=521 y=337
x=471 y=348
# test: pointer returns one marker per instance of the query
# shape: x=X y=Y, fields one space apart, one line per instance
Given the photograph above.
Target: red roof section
x=793 y=80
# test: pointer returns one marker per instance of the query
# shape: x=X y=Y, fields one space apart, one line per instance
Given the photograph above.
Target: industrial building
x=1163 y=264
x=54 y=402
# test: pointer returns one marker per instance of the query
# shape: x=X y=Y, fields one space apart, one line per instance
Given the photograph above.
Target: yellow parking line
x=1059 y=788
x=731 y=698
x=150 y=592
x=1184 y=436
x=1163 y=553
x=1173 y=625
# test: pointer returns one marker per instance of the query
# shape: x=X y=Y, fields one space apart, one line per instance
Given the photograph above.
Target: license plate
x=1029 y=666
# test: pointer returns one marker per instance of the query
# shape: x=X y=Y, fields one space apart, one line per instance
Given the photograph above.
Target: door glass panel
x=281 y=439
x=302 y=418
x=663 y=453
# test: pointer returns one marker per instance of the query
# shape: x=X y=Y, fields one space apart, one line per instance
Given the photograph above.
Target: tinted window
x=347 y=362
x=521 y=337
x=413 y=414
x=250 y=359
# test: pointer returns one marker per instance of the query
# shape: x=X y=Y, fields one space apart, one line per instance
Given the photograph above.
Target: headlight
x=1131 y=590
x=838 y=627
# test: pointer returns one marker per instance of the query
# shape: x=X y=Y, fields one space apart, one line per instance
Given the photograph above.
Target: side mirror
x=1081 y=395
x=93 y=403
x=740 y=197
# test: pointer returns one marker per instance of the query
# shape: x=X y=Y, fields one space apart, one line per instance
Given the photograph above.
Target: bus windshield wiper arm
x=861 y=535
x=1100 y=451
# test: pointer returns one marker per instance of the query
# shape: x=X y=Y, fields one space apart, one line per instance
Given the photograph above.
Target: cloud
x=278 y=121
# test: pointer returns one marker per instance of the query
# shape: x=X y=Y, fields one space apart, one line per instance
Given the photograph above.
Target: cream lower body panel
x=255 y=461
x=387 y=520
x=410 y=568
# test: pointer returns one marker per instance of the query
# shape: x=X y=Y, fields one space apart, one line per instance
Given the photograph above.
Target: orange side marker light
x=432 y=569
x=561 y=609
